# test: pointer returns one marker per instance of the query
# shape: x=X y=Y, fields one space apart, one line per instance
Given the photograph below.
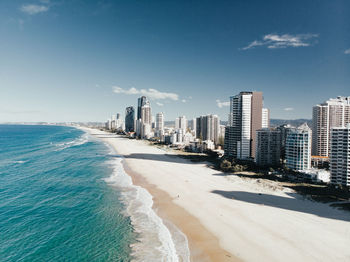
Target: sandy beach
x=229 y=218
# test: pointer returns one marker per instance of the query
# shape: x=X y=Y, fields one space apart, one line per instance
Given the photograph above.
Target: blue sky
x=85 y=60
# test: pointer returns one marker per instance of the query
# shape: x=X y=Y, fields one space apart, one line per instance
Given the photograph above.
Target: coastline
x=203 y=245
x=227 y=218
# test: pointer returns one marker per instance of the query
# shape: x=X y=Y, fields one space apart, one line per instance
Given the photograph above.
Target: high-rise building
x=208 y=128
x=108 y=124
x=265 y=121
x=113 y=122
x=298 y=148
x=160 y=121
x=340 y=155
x=146 y=120
x=268 y=147
x=333 y=113
x=146 y=116
x=244 y=119
x=181 y=123
x=194 y=125
x=130 y=119
x=284 y=130
x=140 y=103
x=160 y=124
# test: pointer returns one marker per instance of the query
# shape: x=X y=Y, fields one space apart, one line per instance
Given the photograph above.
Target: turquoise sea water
x=55 y=204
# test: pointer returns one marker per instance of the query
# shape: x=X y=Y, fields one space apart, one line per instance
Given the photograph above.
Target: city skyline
x=77 y=61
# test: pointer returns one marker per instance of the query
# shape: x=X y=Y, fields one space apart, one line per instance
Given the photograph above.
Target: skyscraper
x=340 y=155
x=208 y=128
x=146 y=117
x=333 y=113
x=140 y=102
x=146 y=120
x=160 y=123
x=284 y=129
x=113 y=122
x=298 y=148
x=265 y=122
x=181 y=123
x=244 y=119
x=268 y=147
x=130 y=119
x=193 y=124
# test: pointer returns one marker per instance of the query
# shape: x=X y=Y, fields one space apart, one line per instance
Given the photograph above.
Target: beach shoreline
x=227 y=218
x=203 y=245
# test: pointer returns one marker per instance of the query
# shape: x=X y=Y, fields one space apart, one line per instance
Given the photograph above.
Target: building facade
x=208 y=128
x=268 y=147
x=298 y=148
x=340 y=155
x=159 y=124
x=145 y=122
x=245 y=118
x=181 y=123
x=333 y=113
x=265 y=121
x=130 y=119
x=140 y=103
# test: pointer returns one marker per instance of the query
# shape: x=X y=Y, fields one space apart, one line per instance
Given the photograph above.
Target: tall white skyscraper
x=194 y=124
x=146 y=117
x=113 y=122
x=159 y=124
x=244 y=119
x=333 y=113
x=177 y=123
x=265 y=122
x=340 y=155
x=160 y=121
x=298 y=148
x=181 y=123
x=146 y=120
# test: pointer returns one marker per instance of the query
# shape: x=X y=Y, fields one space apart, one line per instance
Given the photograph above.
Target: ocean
x=64 y=196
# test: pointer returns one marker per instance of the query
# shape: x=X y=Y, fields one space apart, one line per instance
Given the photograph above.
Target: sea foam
x=76 y=142
x=155 y=241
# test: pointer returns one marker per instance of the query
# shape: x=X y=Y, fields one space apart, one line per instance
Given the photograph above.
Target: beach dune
x=229 y=218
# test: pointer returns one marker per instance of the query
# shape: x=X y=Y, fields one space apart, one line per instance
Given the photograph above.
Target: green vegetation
x=225 y=166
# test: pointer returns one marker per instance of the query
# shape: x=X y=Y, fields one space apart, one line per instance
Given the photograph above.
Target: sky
x=75 y=60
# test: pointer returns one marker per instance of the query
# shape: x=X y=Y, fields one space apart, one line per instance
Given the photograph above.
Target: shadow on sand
x=295 y=203
x=161 y=157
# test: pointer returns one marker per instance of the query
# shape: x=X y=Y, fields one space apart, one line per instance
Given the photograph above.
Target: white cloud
x=183 y=100
x=347 y=51
x=274 y=41
x=33 y=9
x=288 y=109
x=222 y=104
x=159 y=104
x=150 y=93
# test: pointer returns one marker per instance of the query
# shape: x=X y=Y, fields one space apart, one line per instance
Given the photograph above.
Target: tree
x=238 y=168
x=225 y=165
